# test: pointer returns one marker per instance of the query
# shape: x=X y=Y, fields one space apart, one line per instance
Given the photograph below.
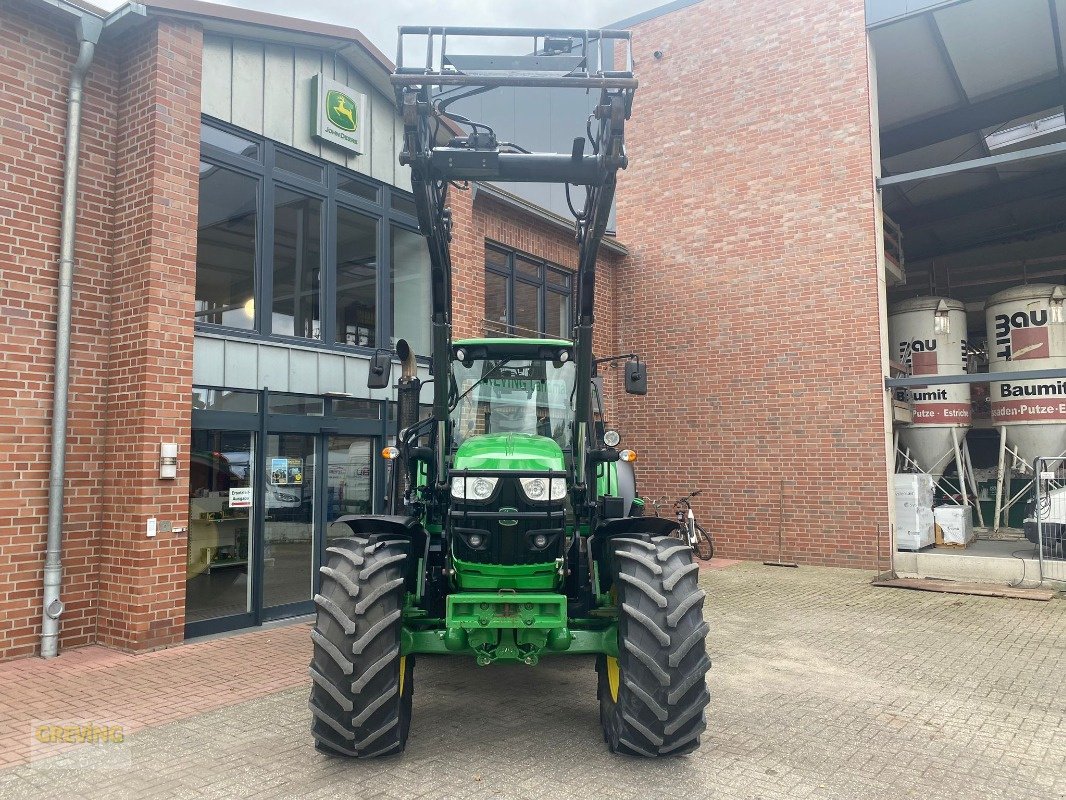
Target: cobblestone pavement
x=822 y=687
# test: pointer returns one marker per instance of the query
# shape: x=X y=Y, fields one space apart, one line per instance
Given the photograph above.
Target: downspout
x=88 y=31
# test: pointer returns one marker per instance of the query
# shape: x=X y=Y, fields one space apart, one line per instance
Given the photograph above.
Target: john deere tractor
x=513 y=530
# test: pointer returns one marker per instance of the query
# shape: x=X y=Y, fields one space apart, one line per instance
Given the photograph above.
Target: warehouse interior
x=970 y=108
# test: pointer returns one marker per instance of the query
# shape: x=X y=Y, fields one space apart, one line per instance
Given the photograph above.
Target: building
x=236 y=265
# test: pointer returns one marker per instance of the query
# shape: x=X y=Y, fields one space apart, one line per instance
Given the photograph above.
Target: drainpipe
x=88 y=31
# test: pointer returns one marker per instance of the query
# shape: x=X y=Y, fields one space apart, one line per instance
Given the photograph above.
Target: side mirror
x=636 y=378
x=380 y=370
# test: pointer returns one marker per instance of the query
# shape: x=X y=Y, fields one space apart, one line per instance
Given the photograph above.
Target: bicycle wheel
x=704 y=548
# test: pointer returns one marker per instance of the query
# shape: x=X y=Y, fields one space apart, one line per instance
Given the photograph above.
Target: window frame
x=269 y=177
x=512 y=275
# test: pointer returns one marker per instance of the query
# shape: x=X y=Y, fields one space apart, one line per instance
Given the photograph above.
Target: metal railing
x=1049 y=512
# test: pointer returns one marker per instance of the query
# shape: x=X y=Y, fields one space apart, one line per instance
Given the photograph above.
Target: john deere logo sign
x=338 y=115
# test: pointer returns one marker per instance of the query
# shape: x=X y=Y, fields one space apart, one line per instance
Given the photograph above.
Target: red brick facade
x=750 y=289
x=751 y=284
x=131 y=350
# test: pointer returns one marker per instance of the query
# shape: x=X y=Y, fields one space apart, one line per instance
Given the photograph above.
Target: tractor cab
x=513 y=386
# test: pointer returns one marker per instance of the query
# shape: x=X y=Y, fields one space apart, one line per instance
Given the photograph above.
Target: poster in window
x=287 y=471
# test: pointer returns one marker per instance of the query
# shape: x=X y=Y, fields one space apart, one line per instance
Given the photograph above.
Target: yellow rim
x=613 y=677
x=403 y=672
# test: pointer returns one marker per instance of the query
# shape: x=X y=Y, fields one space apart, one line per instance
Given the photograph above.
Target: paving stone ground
x=822 y=687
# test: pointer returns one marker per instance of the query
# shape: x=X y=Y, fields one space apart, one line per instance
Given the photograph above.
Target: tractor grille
x=507 y=523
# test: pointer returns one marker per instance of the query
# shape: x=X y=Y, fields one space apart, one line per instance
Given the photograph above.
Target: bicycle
x=688 y=530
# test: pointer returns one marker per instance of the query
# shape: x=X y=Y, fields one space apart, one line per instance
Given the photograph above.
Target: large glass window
x=411 y=302
x=524 y=296
x=297 y=264
x=333 y=259
x=225 y=247
x=357 y=278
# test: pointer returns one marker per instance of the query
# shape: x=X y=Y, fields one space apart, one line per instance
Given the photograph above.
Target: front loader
x=513 y=532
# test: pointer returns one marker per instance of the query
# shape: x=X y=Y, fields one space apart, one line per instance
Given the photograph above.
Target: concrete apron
x=994 y=562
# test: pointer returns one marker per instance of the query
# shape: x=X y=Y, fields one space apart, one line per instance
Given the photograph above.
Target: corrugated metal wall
x=266 y=88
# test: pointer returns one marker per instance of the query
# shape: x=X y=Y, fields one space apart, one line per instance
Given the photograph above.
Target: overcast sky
x=379 y=20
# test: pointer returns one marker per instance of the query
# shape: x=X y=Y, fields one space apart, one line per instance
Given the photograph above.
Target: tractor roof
x=541 y=349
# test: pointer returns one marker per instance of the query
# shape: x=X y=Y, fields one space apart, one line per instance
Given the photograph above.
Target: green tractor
x=513 y=529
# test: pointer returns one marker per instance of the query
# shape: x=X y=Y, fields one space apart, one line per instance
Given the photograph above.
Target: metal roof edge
x=915 y=13
x=653 y=13
x=553 y=219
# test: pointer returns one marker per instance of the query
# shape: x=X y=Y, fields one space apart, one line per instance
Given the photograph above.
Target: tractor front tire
x=361 y=686
x=654 y=695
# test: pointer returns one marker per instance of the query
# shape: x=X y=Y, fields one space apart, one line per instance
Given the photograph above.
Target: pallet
x=977 y=589
x=952 y=545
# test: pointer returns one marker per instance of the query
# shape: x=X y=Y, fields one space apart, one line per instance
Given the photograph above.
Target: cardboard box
x=956 y=524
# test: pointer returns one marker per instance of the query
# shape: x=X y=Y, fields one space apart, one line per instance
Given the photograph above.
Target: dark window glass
x=229 y=142
x=557 y=315
x=404 y=205
x=496 y=304
x=526 y=309
x=410 y=290
x=558 y=278
x=225 y=247
x=298 y=166
x=525 y=297
x=526 y=268
x=357 y=278
x=297 y=264
x=224 y=400
x=498 y=259
x=295 y=404
x=356 y=409
x=347 y=183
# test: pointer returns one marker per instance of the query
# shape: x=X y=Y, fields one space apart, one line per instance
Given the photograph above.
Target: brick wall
x=142 y=580
x=131 y=348
x=752 y=282
x=36 y=54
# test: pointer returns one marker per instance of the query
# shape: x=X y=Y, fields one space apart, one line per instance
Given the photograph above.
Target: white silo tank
x=1026 y=332
x=928 y=336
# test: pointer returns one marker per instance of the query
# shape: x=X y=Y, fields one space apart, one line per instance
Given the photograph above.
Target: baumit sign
x=338 y=115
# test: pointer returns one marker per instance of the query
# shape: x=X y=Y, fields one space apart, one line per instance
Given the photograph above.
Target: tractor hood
x=510 y=451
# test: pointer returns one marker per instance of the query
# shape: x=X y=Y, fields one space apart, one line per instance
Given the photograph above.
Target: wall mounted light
x=168 y=460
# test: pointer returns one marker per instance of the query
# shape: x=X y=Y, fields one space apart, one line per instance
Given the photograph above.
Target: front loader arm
x=561 y=58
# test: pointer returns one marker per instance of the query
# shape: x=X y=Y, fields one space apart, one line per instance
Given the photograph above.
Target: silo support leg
x=1000 y=470
x=960 y=467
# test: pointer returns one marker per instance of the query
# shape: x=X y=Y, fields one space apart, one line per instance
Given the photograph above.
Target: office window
x=411 y=301
x=297 y=264
x=226 y=247
x=357 y=278
x=525 y=296
x=293 y=246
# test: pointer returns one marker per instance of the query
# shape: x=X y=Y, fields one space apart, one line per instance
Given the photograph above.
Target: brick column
x=142 y=580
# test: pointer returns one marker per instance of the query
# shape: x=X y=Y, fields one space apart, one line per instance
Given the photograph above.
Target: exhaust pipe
x=408 y=390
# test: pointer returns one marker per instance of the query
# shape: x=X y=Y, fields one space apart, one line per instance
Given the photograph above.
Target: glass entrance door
x=350 y=480
x=221 y=480
x=289 y=516
x=263 y=490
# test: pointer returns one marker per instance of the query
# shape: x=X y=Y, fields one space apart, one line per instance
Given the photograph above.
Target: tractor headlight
x=538 y=488
x=475 y=489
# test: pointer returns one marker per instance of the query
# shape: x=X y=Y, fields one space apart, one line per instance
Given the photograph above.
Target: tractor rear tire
x=361 y=686
x=653 y=697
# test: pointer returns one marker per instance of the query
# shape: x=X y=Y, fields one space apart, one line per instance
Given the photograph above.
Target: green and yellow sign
x=338 y=115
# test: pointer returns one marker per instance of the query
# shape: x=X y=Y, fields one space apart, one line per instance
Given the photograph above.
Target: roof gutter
x=88 y=28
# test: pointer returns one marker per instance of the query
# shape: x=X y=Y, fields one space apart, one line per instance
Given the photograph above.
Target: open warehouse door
x=973 y=161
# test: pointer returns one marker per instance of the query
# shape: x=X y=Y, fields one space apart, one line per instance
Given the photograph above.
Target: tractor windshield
x=513 y=396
